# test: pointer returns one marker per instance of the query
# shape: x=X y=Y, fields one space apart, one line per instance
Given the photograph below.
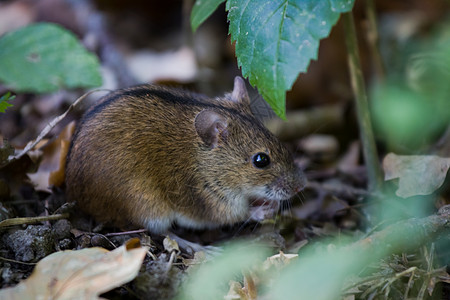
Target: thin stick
x=17 y=261
x=126 y=232
x=50 y=126
x=33 y=220
x=362 y=107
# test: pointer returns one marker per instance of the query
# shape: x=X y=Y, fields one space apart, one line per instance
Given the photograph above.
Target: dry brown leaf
x=51 y=169
x=417 y=174
x=170 y=245
x=235 y=291
x=279 y=260
x=199 y=258
x=82 y=274
x=247 y=292
x=250 y=289
x=50 y=126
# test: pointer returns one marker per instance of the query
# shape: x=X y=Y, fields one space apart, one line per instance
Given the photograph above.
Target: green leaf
x=201 y=10
x=44 y=58
x=276 y=40
x=210 y=279
x=4 y=101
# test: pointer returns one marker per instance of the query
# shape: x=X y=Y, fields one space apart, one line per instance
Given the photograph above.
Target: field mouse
x=151 y=156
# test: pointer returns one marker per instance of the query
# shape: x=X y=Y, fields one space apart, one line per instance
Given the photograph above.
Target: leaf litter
x=172 y=258
x=83 y=274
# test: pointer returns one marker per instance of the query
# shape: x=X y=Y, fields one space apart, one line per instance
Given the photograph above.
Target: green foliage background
x=275 y=40
x=45 y=57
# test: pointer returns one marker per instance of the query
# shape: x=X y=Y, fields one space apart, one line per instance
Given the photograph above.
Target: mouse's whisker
x=300 y=196
x=241 y=227
x=289 y=207
x=255 y=228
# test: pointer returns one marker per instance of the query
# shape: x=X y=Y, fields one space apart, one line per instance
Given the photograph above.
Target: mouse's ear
x=211 y=126
x=240 y=94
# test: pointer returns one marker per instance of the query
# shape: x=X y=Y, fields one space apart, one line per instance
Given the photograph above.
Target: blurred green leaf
x=44 y=58
x=276 y=40
x=210 y=280
x=4 y=101
x=412 y=108
x=321 y=268
x=320 y=272
x=318 y=275
x=400 y=115
x=201 y=10
x=406 y=119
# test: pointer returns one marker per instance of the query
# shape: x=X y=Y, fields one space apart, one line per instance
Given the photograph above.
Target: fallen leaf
x=170 y=245
x=279 y=260
x=250 y=289
x=199 y=258
x=246 y=292
x=417 y=174
x=82 y=274
x=51 y=169
x=235 y=291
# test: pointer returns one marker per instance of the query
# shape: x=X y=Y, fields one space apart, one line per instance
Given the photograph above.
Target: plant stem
x=362 y=107
x=372 y=39
x=188 y=37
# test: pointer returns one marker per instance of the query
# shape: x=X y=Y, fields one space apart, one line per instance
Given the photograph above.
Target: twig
x=50 y=126
x=402 y=236
x=362 y=107
x=17 y=262
x=173 y=255
x=342 y=190
x=152 y=256
x=126 y=232
x=33 y=220
x=405 y=235
x=410 y=283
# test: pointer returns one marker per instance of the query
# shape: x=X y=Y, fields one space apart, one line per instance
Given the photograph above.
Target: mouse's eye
x=261 y=160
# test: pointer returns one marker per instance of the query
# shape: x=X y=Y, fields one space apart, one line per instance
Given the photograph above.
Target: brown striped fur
x=137 y=158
